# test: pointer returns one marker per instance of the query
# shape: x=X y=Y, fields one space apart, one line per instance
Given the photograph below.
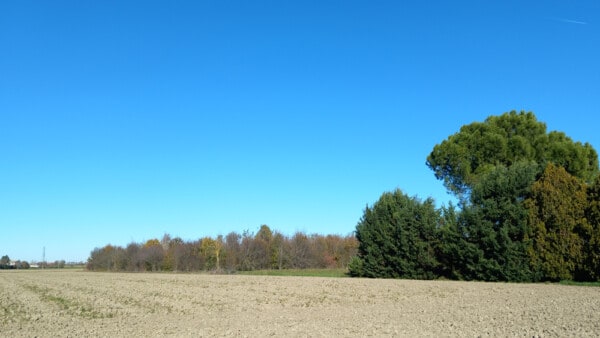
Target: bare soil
x=77 y=304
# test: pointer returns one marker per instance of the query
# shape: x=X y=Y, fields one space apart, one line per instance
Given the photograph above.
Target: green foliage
x=450 y=250
x=591 y=235
x=465 y=157
x=525 y=213
x=4 y=262
x=557 y=217
x=298 y=272
x=574 y=283
x=355 y=267
x=486 y=240
x=495 y=223
x=397 y=238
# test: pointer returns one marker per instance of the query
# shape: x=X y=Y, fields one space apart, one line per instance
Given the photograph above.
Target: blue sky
x=124 y=120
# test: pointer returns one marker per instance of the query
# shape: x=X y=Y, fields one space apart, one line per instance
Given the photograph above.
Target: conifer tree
x=397 y=238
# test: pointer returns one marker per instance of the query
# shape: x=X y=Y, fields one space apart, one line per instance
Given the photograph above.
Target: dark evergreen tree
x=397 y=238
x=590 y=269
x=495 y=222
x=453 y=252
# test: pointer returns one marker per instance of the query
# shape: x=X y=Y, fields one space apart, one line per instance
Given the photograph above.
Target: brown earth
x=77 y=304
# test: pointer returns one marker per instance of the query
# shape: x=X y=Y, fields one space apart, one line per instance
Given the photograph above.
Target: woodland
x=264 y=250
x=528 y=211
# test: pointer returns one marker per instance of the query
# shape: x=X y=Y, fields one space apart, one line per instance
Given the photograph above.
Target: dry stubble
x=75 y=303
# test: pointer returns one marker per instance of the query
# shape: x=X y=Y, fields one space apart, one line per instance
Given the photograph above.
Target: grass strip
x=337 y=273
x=570 y=282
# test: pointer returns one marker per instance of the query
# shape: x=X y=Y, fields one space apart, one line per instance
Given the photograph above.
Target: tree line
x=529 y=210
x=7 y=263
x=266 y=249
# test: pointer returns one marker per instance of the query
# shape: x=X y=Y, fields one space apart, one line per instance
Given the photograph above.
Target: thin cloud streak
x=577 y=22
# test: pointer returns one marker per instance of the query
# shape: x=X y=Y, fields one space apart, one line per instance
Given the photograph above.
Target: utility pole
x=44 y=258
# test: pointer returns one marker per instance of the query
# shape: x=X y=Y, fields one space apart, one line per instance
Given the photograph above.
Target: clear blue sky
x=124 y=120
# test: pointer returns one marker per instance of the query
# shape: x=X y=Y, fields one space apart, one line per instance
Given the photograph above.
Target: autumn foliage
x=266 y=249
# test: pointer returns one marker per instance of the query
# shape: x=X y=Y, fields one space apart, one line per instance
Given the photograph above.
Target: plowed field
x=77 y=303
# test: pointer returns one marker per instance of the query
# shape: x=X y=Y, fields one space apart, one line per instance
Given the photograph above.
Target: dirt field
x=77 y=303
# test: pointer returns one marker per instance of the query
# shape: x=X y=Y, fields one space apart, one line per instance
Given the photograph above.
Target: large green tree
x=465 y=157
x=557 y=218
x=397 y=238
x=492 y=167
x=493 y=226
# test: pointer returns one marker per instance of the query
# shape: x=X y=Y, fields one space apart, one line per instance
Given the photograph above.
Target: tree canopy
x=466 y=156
x=529 y=210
